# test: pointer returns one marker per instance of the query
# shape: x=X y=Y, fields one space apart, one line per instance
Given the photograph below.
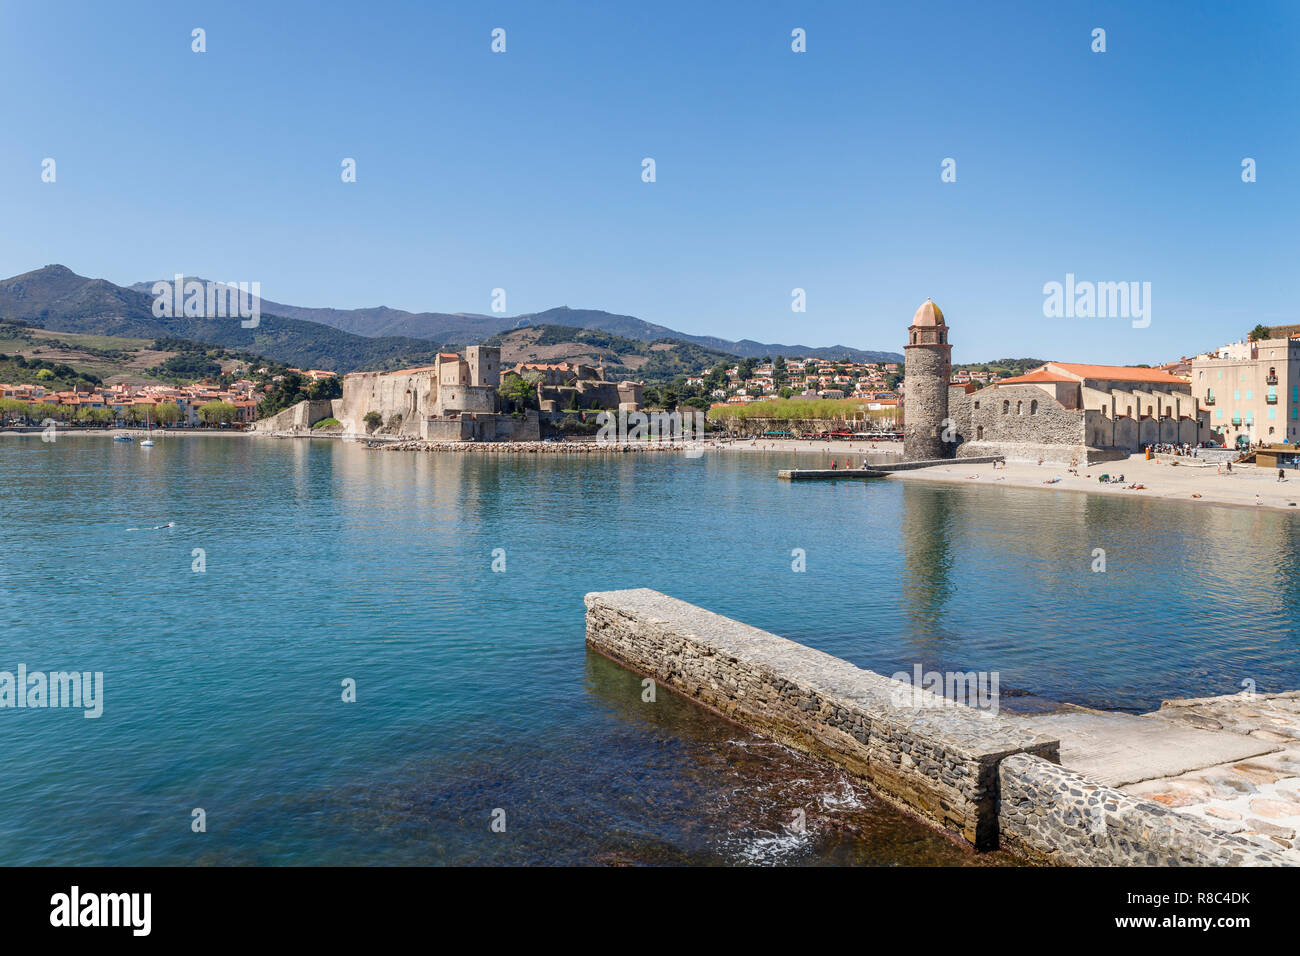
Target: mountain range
x=58 y=299
x=470 y=328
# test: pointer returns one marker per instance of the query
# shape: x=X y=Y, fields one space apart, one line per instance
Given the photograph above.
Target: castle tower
x=484 y=365
x=925 y=385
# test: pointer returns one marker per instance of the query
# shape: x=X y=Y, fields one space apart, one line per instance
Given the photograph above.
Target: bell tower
x=927 y=371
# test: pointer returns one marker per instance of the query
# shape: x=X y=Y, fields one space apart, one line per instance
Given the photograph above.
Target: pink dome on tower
x=928 y=315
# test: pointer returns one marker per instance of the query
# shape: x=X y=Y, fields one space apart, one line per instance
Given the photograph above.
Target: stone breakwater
x=533 y=447
x=935 y=760
x=981 y=775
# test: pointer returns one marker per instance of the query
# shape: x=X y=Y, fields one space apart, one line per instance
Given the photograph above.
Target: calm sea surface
x=328 y=561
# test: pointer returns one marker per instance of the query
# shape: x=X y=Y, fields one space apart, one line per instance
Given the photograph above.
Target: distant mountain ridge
x=468 y=328
x=58 y=299
x=344 y=340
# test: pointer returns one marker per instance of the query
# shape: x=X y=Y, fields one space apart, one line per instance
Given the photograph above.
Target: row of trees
x=819 y=409
x=164 y=413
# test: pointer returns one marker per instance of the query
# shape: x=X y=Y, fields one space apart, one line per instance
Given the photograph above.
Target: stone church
x=1057 y=412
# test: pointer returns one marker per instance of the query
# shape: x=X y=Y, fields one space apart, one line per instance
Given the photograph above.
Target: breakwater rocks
x=541 y=447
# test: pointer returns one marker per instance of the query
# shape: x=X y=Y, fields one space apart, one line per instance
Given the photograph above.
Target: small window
x=1020 y=408
x=979 y=432
x=1033 y=407
x=1006 y=407
x=977 y=406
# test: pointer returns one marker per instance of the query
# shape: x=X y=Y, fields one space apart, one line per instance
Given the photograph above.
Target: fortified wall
x=978 y=774
x=300 y=417
x=454 y=399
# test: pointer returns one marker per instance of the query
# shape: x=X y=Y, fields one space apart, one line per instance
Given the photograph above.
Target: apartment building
x=1252 y=390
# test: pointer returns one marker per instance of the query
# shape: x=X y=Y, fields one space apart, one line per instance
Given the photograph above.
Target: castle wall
x=299 y=417
x=465 y=398
x=413 y=395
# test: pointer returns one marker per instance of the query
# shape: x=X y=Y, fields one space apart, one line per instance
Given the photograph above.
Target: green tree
x=13 y=408
x=373 y=420
x=325 y=388
x=780 y=375
x=167 y=413
x=1259 y=333
x=517 y=392
x=217 y=413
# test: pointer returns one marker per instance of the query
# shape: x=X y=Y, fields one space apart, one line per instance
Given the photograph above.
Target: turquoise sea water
x=328 y=561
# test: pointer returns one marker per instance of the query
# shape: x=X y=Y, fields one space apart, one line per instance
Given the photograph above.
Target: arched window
x=979 y=432
x=1006 y=407
x=1033 y=407
x=1020 y=408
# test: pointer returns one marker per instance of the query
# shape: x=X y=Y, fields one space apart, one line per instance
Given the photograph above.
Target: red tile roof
x=1075 y=372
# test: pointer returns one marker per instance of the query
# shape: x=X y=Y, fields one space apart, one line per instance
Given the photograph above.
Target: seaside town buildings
x=1252 y=390
x=1246 y=392
x=137 y=402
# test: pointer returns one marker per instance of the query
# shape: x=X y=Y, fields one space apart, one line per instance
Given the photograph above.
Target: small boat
x=148 y=434
x=123 y=438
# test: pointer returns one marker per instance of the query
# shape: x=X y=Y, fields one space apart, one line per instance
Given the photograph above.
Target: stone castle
x=1058 y=412
x=455 y=399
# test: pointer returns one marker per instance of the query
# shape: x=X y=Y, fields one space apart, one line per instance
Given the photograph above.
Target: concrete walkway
x=1121 y=749
x=1232 y=762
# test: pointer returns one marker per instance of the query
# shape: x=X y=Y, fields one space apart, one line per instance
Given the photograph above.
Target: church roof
x=928 y=315
x=1037 y=376
x=1075 y=372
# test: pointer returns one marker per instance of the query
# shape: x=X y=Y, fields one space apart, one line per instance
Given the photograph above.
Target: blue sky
x=775 y=170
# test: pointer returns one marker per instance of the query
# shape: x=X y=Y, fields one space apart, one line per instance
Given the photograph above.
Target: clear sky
x=775 y=169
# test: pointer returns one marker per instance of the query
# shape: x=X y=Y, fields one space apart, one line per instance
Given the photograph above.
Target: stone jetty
x=1080 y=787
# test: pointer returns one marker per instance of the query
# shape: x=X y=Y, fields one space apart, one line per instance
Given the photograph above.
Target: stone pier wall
x=937 y=760
x=983 y=776
x=1056 y=815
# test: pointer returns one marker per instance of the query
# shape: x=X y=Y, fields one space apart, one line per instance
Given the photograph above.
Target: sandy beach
x=1246 y=486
